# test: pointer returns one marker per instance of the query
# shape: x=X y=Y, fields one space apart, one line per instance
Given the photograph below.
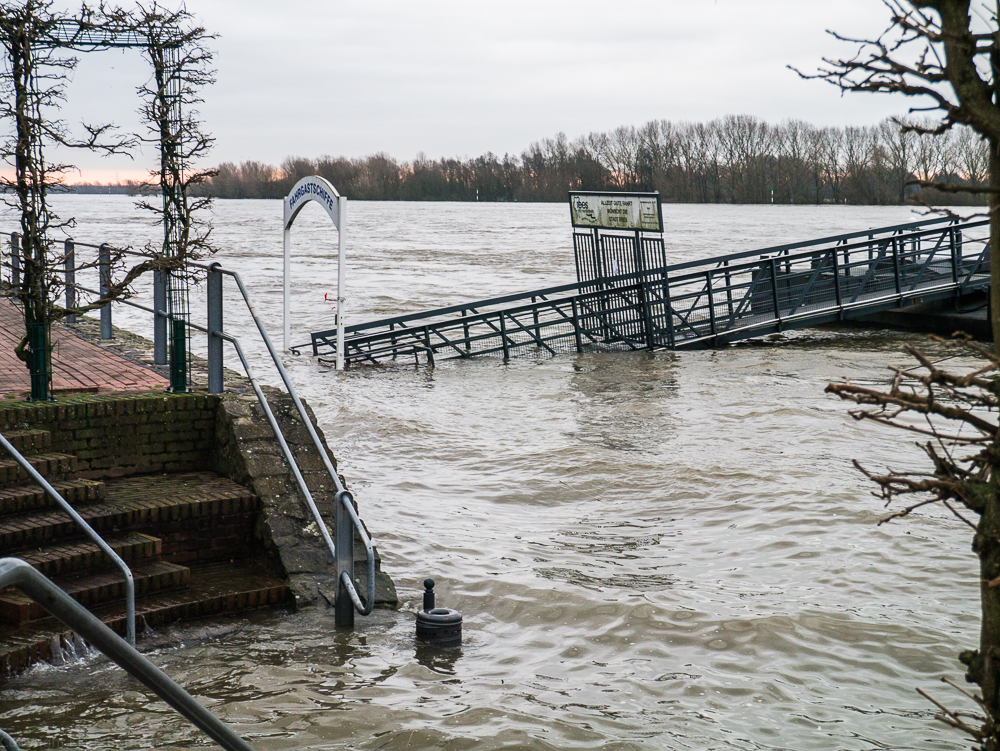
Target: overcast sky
x=459 y=78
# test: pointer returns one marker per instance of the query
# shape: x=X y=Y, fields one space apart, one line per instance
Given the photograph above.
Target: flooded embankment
x=665 y=550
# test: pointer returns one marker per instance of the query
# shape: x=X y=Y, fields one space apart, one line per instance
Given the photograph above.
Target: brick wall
x=114 y=436
x=117 y=435
x=188 y=542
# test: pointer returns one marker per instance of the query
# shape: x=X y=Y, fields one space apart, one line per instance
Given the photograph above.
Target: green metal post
x=40 y=346
x=37 y=326
x=178 y=357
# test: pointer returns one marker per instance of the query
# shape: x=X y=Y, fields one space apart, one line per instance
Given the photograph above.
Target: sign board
x=311 y=189
x=629 y=211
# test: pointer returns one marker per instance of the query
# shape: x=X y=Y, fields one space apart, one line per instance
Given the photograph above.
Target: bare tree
x=948 y=58
x=971 y=155
x=33 y=82
x=934 y=153
x=900 y=147
x=859 y=158
x=746 y=142
x=181 y=62
x=946 y=55
x=37 y=41
x=793 y=139
x=617 y=151
x=957 y=413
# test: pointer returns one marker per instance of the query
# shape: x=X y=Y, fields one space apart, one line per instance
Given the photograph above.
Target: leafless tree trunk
x=936 y=52
x=957 y=412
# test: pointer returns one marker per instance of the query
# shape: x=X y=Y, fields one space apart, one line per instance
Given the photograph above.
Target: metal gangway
x=690 y=305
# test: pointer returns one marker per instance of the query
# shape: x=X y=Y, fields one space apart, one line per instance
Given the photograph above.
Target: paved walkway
x=77 y=365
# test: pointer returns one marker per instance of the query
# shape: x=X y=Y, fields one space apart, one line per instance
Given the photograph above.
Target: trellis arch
x=166 y=42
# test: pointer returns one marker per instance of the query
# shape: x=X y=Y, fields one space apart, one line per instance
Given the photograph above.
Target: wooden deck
x=78 y=367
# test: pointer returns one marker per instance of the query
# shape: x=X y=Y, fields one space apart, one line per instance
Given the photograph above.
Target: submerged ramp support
x=690 y=305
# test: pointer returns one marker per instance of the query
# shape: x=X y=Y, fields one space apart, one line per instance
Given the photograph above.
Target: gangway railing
x=88 y=530
x=698 y=303
x=348 y=601
x=875 y=234
x=16 y=573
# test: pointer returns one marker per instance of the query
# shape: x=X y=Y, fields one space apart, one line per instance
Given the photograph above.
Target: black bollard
x=428 y=595
x=439 y=626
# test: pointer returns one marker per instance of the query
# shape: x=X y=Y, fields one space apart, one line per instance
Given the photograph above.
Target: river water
x=651 y=551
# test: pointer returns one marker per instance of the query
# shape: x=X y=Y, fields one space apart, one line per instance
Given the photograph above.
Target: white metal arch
x=316 y=189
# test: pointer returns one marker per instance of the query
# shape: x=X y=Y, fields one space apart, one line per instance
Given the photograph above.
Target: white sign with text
x=629 y=211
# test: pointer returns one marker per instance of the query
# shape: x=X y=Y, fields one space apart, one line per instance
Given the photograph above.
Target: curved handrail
x=283 y=373
x=300 y=408
x=217 y=267
x=289 y=457
x=346 y=500
x=16 y=573
x=81 y=522
x=8 y=743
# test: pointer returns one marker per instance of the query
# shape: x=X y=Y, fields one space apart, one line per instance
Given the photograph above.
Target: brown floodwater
x=666 y=550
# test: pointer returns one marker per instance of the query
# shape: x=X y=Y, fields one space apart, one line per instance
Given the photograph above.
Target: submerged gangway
x=695 y=304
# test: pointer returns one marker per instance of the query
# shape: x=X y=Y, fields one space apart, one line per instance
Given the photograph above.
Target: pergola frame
x=170 y=289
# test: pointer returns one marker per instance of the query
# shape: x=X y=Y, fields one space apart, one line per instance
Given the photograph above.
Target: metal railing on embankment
x=88 y=530
x=16 y=573
x=346 y=520
x=694 y=304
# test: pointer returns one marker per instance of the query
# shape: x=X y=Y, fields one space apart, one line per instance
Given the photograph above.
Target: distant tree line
x=734 y=159
x=129 y=187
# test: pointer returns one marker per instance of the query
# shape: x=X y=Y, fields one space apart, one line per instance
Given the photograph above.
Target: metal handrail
x=255 y=384
x=81 y=522
x=289 y=457
x=16 y=573
x=8 y=743
x=345 y=503
x=669 y=269
x=341 y=490
x=651 y=308
x=286 y=451
x=875 y=234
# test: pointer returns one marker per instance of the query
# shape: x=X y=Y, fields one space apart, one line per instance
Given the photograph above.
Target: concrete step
x=29 y=441
x=49 y=466
x=217 y=589
x=92 y=590
x=83 y=555
x=137 y=503
x=29 y=498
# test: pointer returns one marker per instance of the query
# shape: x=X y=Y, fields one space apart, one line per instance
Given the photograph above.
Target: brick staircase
x=187 y=536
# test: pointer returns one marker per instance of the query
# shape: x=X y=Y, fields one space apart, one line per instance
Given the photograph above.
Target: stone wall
x=249 y=454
